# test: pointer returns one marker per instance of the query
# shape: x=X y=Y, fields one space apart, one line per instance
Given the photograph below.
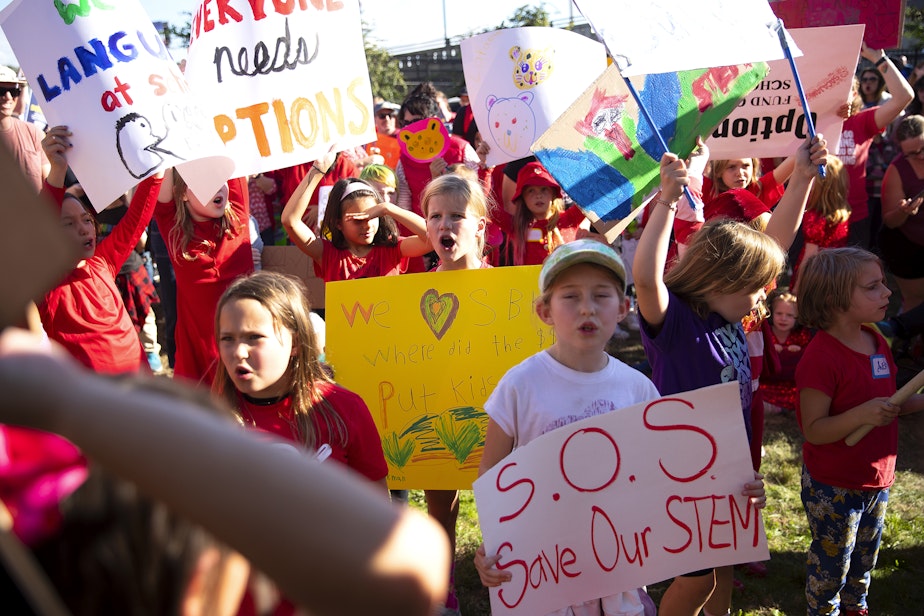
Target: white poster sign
x=520 y=80
x=661 y=36
x=770 y=121
x=621 y=500
x=103 y=70
x=284 y=80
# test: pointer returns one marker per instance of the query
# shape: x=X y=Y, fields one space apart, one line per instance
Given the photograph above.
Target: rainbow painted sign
x=606 y=157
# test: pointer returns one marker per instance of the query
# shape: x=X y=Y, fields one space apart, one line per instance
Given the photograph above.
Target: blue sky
x=388 y=19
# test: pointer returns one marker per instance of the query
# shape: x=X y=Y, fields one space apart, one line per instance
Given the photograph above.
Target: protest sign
x=770 y=121
x=883 y=18
x=520 y=80
x=285 y=81
x=425 y=351
x=660 y=36
x=607 y=158
x=621 y=500
x=103 y=70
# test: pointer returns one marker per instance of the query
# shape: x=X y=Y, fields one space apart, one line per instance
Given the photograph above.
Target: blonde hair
x=286 y=299
x=828 y=196
x=523 y=219
x=183 y=234
x=460 y=187
x=827 y=280
x=724 y=257
x=718 y=167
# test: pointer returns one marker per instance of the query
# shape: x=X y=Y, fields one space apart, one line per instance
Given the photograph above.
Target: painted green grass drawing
x=397 y=451
x=461 y=438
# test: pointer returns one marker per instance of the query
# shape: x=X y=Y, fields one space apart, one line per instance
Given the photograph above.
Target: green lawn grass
x=898 y=584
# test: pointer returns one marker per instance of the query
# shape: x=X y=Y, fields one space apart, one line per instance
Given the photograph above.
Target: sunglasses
x=385 y=116
x=13 y=91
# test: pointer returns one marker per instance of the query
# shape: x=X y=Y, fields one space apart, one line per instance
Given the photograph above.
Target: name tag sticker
x=533 y=235
x=880 y=366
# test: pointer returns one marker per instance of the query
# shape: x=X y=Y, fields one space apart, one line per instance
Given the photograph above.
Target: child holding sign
x=364 y=241
x=691 y=317
x=85 y=312
x=209 y=246
x=583 y=285
x=456 y=211
x=845 y=379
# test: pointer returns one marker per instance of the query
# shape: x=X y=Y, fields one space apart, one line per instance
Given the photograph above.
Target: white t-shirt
x=539 y=395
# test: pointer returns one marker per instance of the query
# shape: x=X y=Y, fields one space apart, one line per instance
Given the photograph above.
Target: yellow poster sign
x=425 y=351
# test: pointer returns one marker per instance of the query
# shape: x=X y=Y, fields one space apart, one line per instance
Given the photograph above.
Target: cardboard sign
x=425 y=351
x=883 y=18
x=284 y=80
x=660 y=36
x=103 y=70
x=770 y=121
x=621 y=500
x=606 y=157
x=32 y=229
x=521 y=79
x=424 y=140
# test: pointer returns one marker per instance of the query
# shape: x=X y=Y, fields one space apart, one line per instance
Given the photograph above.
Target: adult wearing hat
x=386 y=132
x=23 y=140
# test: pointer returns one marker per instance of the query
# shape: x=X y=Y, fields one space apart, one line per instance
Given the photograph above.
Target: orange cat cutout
x=424 y=140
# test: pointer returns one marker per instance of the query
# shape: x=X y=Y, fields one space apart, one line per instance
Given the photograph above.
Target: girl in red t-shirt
x=272 y=379
x=364 y=240
x=539 y=223
x=209 y=247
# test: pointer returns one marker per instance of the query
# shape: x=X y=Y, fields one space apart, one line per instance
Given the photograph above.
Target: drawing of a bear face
x=426 y=143
x=512 y=123
x=530 y=66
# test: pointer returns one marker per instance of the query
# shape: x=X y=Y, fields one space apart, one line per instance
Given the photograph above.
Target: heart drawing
x=439 y=311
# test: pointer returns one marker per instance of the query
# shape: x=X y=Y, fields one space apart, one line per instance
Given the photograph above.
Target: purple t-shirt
x=690 y=352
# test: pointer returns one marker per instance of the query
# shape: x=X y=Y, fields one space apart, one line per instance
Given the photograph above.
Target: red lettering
x=207 y=22
x=713 y=522
x=639 y=557
x=749 y=513
x=502 y=567
x=568 y=563
x=564 y=472
x=256 y=7
x=593 y=537
x=225 y=10
x=532 y=491
x=284 y=7
x=675 y=520
x=672 y=427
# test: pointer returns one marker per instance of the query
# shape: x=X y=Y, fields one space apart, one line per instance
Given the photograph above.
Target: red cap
x=534 y=174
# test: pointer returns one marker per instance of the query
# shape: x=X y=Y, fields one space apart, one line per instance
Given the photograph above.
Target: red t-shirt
x=219 y=261
x=850 y=378
x=363 y=449
x=538 y=245
x=856 y=137
x=85 y=312
x=337 y=264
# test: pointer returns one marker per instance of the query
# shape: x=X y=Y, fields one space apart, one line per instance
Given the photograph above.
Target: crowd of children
x=249 y=335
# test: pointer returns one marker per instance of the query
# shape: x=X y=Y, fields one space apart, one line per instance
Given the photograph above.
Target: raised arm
x=299 y=232
x=899 y=88
x=55 y=144
x=787 y=217
x=416 y=245
x=651 y=254
x=232 y=482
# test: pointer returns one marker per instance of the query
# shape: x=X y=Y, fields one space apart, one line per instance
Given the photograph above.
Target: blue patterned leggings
x=846 y=530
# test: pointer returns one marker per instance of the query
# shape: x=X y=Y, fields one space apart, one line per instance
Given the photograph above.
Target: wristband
x=671 y=205
x=881 y=60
